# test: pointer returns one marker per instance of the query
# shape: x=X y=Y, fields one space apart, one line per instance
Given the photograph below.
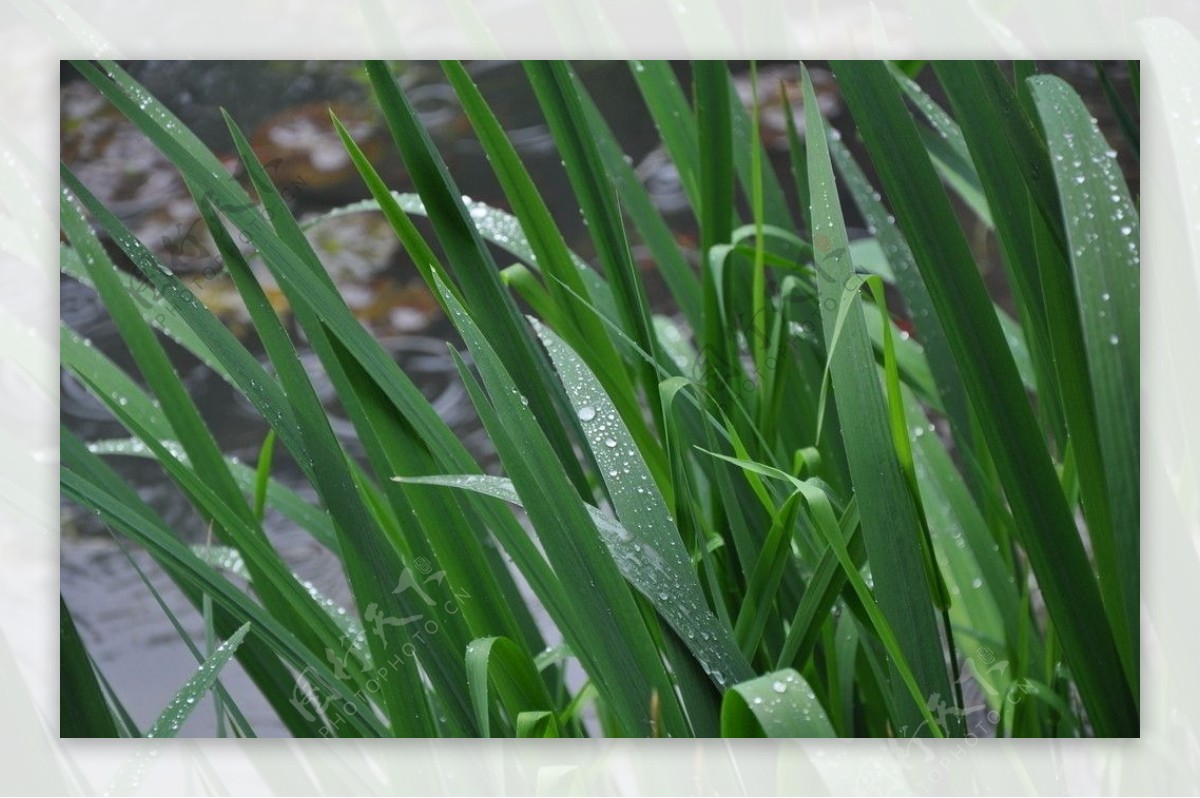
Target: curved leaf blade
x=1045 y=526
x=892 y=526
x=185 y=701
x=495 y=663
x=779 y=704
x=1102 y=227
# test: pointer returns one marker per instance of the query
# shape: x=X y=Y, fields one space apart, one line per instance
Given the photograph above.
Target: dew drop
x=587 y=413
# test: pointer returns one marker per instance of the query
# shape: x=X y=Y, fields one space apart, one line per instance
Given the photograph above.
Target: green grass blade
x=470 y=261
x=715 y=211
x=103 y=374
x=821 y=513
x=646 y=544
x=564 y=282
x=154 y=307
x=221 y=698
x=84 y=710
x=210 y=484
x=1102 y=228
x=151 y=358
x=988 y=117
x=180 y=708
x=89 y=482
x=1129 y=127
x=228 y=559
x=1043 y=283
x=393 y=453
x=230 y=357
x=779 y=704
x=605 y=629
x=261 y=665
x=885 y=503
x=494 y=225
x=304 y=288
x=555 y=87
x=496 y=663
x=984 y=598
x=1044 y=523
x=929 y=330
x=400 y=391
x=672 y=264
x=642 y=509
x=262 y=475
x=758 y=286
x=796 y=154
x=371 y=562
x=292 y=273
x=746 y=140
x=281 y=591
x=825 y=584
x=537 y=226
x=537 y=724
x=765 y=578
x=95 y=369
x=802 y=510
x=276 y=585
x=947 y=147
x=673 y=117
x=392 y=447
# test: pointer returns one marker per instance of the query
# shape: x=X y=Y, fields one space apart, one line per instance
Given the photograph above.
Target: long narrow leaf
x=891 y=525
x=1044 y=523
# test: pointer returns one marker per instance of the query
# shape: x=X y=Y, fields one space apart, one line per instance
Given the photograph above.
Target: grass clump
x=816 y=502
